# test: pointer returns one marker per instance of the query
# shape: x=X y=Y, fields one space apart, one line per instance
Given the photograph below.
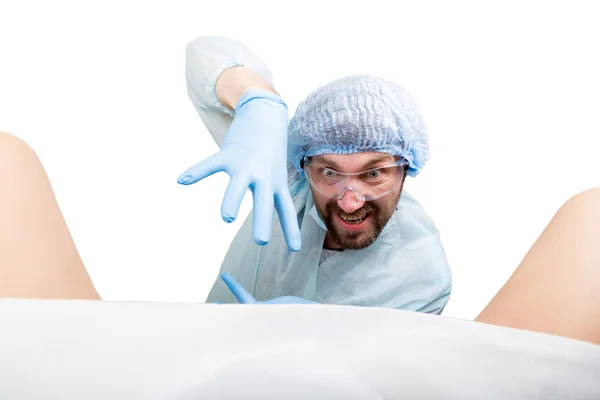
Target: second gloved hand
x=254 y=155
x=246 y=298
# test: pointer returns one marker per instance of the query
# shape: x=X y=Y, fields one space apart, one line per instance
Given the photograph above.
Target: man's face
x=353 y=223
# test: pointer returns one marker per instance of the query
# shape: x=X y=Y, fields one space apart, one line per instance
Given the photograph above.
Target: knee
x=586 y=202
x=8 y=140
x=592 y=194
x=14 y=150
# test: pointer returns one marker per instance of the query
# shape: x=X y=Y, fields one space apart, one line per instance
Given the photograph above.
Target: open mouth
x=354 y=222
x=353 y=219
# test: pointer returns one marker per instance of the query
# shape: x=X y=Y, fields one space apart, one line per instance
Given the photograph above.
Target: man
x=353 y=236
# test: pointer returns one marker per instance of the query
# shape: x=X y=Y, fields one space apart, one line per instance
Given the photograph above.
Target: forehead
x=355 y=161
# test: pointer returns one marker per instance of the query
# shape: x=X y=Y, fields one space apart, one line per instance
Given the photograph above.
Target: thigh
x=556 y=288
x=38 y=258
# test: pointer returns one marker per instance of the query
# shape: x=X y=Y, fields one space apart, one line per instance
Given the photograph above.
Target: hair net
x=356 y=114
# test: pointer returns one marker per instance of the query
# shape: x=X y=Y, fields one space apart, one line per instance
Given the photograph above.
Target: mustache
x=365 y=209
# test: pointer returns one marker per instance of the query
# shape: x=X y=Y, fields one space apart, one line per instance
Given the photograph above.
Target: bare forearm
x=236 y=81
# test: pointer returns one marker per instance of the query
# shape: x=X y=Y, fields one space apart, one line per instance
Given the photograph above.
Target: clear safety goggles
x=366 y=185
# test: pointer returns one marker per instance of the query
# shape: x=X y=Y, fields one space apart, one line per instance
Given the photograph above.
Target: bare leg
x=38 y=258
x=556 y=288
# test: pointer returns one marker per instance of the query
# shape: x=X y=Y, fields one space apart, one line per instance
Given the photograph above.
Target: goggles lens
x=368 y=185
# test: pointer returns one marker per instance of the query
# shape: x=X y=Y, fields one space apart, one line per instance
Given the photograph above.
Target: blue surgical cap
x=356 y=114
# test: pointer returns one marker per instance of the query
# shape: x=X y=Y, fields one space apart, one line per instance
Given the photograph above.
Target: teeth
x=353 y=218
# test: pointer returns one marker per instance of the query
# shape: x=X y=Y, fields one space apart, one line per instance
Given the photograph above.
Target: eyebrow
x=367 y=165
x=375 y=161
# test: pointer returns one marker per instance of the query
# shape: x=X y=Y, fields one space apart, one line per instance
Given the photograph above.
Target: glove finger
x=288 y=219
x=238 y=290
x=262 y=213
x=234 y=194
x=202 y=170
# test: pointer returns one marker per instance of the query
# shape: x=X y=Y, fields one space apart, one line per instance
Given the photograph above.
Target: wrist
x=254 y=94
x=235 y=82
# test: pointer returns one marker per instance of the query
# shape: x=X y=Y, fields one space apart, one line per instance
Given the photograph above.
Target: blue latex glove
x=246 y=298
x=254 y=155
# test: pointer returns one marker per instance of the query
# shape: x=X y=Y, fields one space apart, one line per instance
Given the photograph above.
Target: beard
x=378 y=211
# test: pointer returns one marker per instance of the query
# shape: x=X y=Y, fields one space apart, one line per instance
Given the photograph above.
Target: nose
x=350 y=201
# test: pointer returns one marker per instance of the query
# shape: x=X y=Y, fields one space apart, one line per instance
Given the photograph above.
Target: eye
x=374 y=174
x=328 y=173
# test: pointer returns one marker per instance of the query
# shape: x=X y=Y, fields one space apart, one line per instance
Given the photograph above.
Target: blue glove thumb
x=238 y=290
x=246 y=298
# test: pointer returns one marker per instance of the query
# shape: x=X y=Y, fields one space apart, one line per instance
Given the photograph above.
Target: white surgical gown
x=405 y=268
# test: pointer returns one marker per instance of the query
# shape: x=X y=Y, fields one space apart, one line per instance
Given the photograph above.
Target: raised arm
x=233 y=93
x=219 y=71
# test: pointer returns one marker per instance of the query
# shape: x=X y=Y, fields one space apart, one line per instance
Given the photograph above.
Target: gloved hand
x=254 y=154
x=246 y=298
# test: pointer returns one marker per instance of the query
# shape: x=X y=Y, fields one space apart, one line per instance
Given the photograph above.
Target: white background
x=509 y=91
